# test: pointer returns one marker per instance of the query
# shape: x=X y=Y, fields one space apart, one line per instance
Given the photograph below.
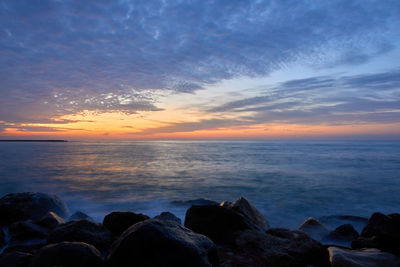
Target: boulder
x=79 y=215
x=2 y=238
x=342 y=236
x=314 y=228
x=339 y=257
x=33 y=206
x=118 y=221
x=82 y=231
x=26 y=230
x=334 y=221
x=169 y=217
x=217 y=222
x=50 y=220
x=67 y=254
x=15 y=259
x=244 y=207
x=162 y=243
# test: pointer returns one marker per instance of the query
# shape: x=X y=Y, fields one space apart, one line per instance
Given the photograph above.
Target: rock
x=244 y=207
x=216 y=222
x=67 y=254
x=117 y=222
x=314 y=229
x=27 y=246
x=15 y=259
x=26 y=230
x=2 y=238
x=79 y=216
x=162 y=243
x=361 y=258
x=169 y=217
x=82 y=231
x=334 y=221
x=50 y=220
x=342 y=236
x=197 y=202
x=33 y=206
x=364 y=242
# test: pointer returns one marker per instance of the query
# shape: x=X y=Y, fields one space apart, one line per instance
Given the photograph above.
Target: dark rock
x=334 y=221
x=169 y=217
x=162 y=243
x=15 y=259
x=26 y=230
x=361 y=258
x=364 y=242
x=117 y=222
x=216 y=222
x=244 y=207
x=79 y=216
x=2 y=238
x=197 y=202
x=27 y=246
x=50 y=220
x=314 y=228
x=67 y=254
x=82 y=231
x=25 y=206
x=342 y=236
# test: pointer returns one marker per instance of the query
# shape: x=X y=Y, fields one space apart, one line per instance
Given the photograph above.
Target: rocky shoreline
x=36 y=230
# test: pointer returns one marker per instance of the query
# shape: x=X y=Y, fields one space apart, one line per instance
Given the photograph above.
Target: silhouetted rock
x=314 y=228
x=2 y=238
x=334 y=221
x=79 y=215
x=67 y=254
x=361 y=258
x=25 y=206
x=15 y=259
x=82 y=231
x=50 y=220
x=197 y=202
x=117 y=222
x=169 y=217
x=26 y=230
x=342 y=236
x=162 y=243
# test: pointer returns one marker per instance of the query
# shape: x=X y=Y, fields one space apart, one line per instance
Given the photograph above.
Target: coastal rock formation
x=82 y=231
x=361 y=258
x=67 y=254
x=342 y=236
x=314 y=228
x=26 y=236
x=169 y=217
x=29 y=206
x=79 y=215
x=15 y=259
x=50 y=220
x=2 y=238
x=117 y=222
x=162 y=243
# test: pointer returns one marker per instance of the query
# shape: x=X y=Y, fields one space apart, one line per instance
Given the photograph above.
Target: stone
x=50 y=220
x=339 y=257
x=334 y=221
x=118 y=221
x=216 y=222
x=341 y=236
x=79 y=215
x=169 y=217
x=162 y=243
x=26 y=230
x=15 y=259
x=29 y=206
x=67 y=254
x=314 y=228
x=82 y=231
x=2 y=238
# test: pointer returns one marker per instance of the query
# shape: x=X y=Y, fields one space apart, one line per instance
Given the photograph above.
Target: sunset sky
x=200 y=69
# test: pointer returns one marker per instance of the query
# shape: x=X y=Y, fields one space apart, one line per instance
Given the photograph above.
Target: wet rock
x=50 y=220
x=117 y=222
x=217 y=222
x=334 y=221
x=162 y=243
x=314 y=228
x=80 y=216
x=67 y=254
x=342 y=236
x=15 y=259
x=82 y=231
x=169 y=217
x=25 y=206
x=361 y=258
x=197 y=202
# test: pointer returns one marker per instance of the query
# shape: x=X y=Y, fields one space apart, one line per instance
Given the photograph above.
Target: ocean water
x=287 y=181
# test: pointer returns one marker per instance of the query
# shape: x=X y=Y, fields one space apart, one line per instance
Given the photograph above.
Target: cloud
x=85 y=51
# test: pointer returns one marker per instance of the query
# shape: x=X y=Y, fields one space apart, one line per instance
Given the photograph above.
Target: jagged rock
x=79 y=215
x=15 y=259
x=162 y=243
x=342 y=236
x=168 y=216
x=82 y=231
x=117 y=222
x=50 y=220
x=314 y=228
x=197 y=202
x=67 y=254
x=28 y=205
x=361 y=258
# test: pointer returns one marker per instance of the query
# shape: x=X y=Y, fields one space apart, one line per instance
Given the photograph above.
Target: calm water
x=287 y=181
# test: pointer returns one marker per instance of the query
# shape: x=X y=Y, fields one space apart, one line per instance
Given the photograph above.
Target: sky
x=200 y=69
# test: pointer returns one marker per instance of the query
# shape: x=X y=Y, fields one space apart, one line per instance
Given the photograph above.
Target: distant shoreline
x=27 y=140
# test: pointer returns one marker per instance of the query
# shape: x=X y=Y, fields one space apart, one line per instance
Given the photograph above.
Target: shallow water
x=287 y=181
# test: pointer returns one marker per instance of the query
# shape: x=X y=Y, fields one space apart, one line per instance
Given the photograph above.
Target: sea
x=287 y=181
